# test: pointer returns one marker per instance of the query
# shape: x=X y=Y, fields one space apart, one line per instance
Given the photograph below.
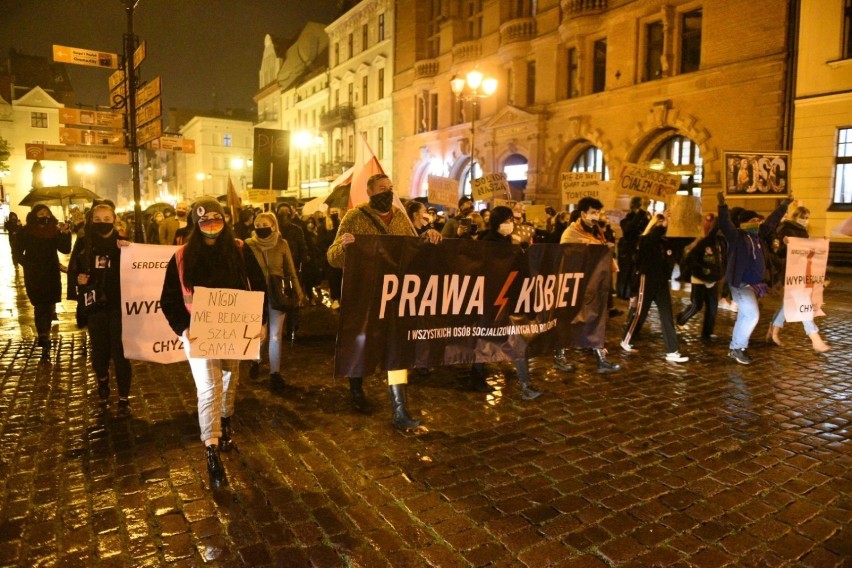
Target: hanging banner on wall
x=409 y=304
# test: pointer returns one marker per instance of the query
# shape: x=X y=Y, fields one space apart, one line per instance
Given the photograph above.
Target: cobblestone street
x=709 y=463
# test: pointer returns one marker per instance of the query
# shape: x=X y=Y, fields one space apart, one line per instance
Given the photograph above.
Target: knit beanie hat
x=746 y=215
x=204 y=205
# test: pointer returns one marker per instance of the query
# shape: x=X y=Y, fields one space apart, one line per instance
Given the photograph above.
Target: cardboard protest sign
x=577 y=185
x=536 y=214
x=488 y=185
x=225 y=323
x=804 y=279
x=260 y=196
x=443 y=191
x=685 y=216
x=639 y=180
x=145 y=333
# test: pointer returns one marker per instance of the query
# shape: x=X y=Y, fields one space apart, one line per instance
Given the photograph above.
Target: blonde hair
x=269 y=217
x=655 y=220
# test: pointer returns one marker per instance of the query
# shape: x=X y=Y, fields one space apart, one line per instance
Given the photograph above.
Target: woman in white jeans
x=273 y=255
x=212 y=258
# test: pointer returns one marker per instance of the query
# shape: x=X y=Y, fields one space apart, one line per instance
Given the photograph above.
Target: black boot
x=44 y=343
x=477 y=379
x=103 y=388
x=215 y=468
x=560 y=361
x=276 y=381
x=527 y=390
x=358 y=399
x=226 y=442
x=605 y=366
x=401 y=419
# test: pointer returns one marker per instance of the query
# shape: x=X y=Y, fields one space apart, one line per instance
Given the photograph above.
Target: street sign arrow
x=89 y=57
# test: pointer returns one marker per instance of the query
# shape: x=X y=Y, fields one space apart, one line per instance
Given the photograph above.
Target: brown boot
x=820 y=346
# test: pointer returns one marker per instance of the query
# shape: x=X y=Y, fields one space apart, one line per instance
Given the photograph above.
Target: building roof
x=22 y=73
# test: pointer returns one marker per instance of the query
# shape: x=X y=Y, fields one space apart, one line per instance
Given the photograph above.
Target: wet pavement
x=708 y=463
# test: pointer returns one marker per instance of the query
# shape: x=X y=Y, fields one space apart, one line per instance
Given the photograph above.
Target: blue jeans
x=778 y=321
x=747 y=316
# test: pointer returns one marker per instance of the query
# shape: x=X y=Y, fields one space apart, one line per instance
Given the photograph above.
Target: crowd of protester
x=740 y=254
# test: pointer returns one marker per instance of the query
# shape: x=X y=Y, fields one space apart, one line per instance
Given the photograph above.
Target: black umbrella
x=58 y=195
x=159 y=208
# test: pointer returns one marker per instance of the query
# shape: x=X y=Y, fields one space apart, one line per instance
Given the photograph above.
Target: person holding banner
x=211 y=258
x=273 y=255
x=746 y=268
x=94 y=281
x=377 y=217
x=586 y=230
x=795 y=226
x=654 y=263
x=501 y=225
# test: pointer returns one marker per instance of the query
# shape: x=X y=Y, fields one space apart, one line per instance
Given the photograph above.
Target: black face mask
x=263 y=232
x=43 y=220
x=181 y=214
x=334 y=217
x=382 y=202
x=103 y=229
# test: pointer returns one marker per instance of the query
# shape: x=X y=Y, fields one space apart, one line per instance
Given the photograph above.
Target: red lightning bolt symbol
x=502 y=300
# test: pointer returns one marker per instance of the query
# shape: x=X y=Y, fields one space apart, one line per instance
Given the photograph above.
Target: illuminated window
x=680 y=154
x=226 y=140
x=843 y=169
x=38 y=119
x=591 y=160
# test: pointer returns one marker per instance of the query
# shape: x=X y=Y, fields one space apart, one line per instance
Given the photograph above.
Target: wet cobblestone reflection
x=703 y=464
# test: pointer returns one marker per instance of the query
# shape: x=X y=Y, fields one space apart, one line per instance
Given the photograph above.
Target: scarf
x=268 y=242
x=48 y=231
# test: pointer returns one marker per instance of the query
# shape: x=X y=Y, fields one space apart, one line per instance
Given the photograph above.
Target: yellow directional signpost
x=149 y=132
x=171 y=143
x=148 y=91
x=106 y=154
x=89 y=57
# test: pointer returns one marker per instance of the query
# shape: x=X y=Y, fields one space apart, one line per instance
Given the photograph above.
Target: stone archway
x=577 y=137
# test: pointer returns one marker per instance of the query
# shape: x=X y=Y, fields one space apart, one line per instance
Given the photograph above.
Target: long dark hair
x=225 y=251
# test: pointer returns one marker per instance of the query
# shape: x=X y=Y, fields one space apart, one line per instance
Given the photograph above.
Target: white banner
x=805 y=278
x=144 y=330
x=225 y=323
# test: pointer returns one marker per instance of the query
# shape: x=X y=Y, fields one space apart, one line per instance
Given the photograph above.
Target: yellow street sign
x=139 y=55
x=174 y=144
x=90 y=118
x=149 y=112
x=91 y=137
x=58 y=152
x=148 y=91
x=149 y=132
x=80 y=56
x=116 y=79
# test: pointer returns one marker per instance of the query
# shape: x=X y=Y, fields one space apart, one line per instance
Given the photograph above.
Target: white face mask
x=506 y=229
x=802 y=222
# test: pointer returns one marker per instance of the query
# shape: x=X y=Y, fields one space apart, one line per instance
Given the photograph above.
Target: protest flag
x=233 y=201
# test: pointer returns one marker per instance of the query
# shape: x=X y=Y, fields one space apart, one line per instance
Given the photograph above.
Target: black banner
x=271 y=158
x=407 y=303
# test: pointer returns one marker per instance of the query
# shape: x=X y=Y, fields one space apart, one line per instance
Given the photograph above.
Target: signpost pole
x=130 y=109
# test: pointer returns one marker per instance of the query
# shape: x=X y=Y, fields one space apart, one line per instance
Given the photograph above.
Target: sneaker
x=123 y=407
x=676 y=357
x=335 y=305
x=739 y=355
x=627 y=347
x=529 y=393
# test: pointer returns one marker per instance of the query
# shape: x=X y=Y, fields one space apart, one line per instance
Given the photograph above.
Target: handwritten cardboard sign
x=685 y=219
x=486 y=186
x=443 y=191
x=640 y=180
x=225 y=323
x=577 y=185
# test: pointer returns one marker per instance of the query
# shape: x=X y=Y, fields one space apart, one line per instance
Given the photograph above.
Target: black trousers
x=105 y=335
x=702 y=297
x=654 y=290
x=43 y=315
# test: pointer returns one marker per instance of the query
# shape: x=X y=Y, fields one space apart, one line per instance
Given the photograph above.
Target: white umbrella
x=314 y=205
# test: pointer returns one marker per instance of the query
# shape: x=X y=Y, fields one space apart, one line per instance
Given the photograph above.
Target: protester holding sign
x=211 y=258
x=378 y=217
x=795 y=226
x=654 y=263
x=746 y=267
x=94 y=281
x=587 y=230
x=501 y=225
x=631 y=229
x=273 y=255
x=454 y=228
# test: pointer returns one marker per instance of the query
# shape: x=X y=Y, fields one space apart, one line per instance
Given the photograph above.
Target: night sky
x=197 y=47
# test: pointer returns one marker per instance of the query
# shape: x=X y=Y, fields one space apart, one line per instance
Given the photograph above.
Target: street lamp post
x=470 y=89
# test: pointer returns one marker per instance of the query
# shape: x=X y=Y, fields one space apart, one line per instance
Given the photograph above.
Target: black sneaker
x=739 y=355
x=103 y=388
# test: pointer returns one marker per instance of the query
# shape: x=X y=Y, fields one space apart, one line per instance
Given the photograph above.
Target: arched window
x=591 y=160
x=515 y=167
x=680 y=155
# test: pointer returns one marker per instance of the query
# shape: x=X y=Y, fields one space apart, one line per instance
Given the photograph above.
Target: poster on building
x=225 y=323
x=488 y=186
x=443 y=191
x=647 y=182
x=756 y=174
x=145 y=333
x=804 y=279
x=685 y=219
x=577 y=185
x=414 y=304
x=271 y=158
